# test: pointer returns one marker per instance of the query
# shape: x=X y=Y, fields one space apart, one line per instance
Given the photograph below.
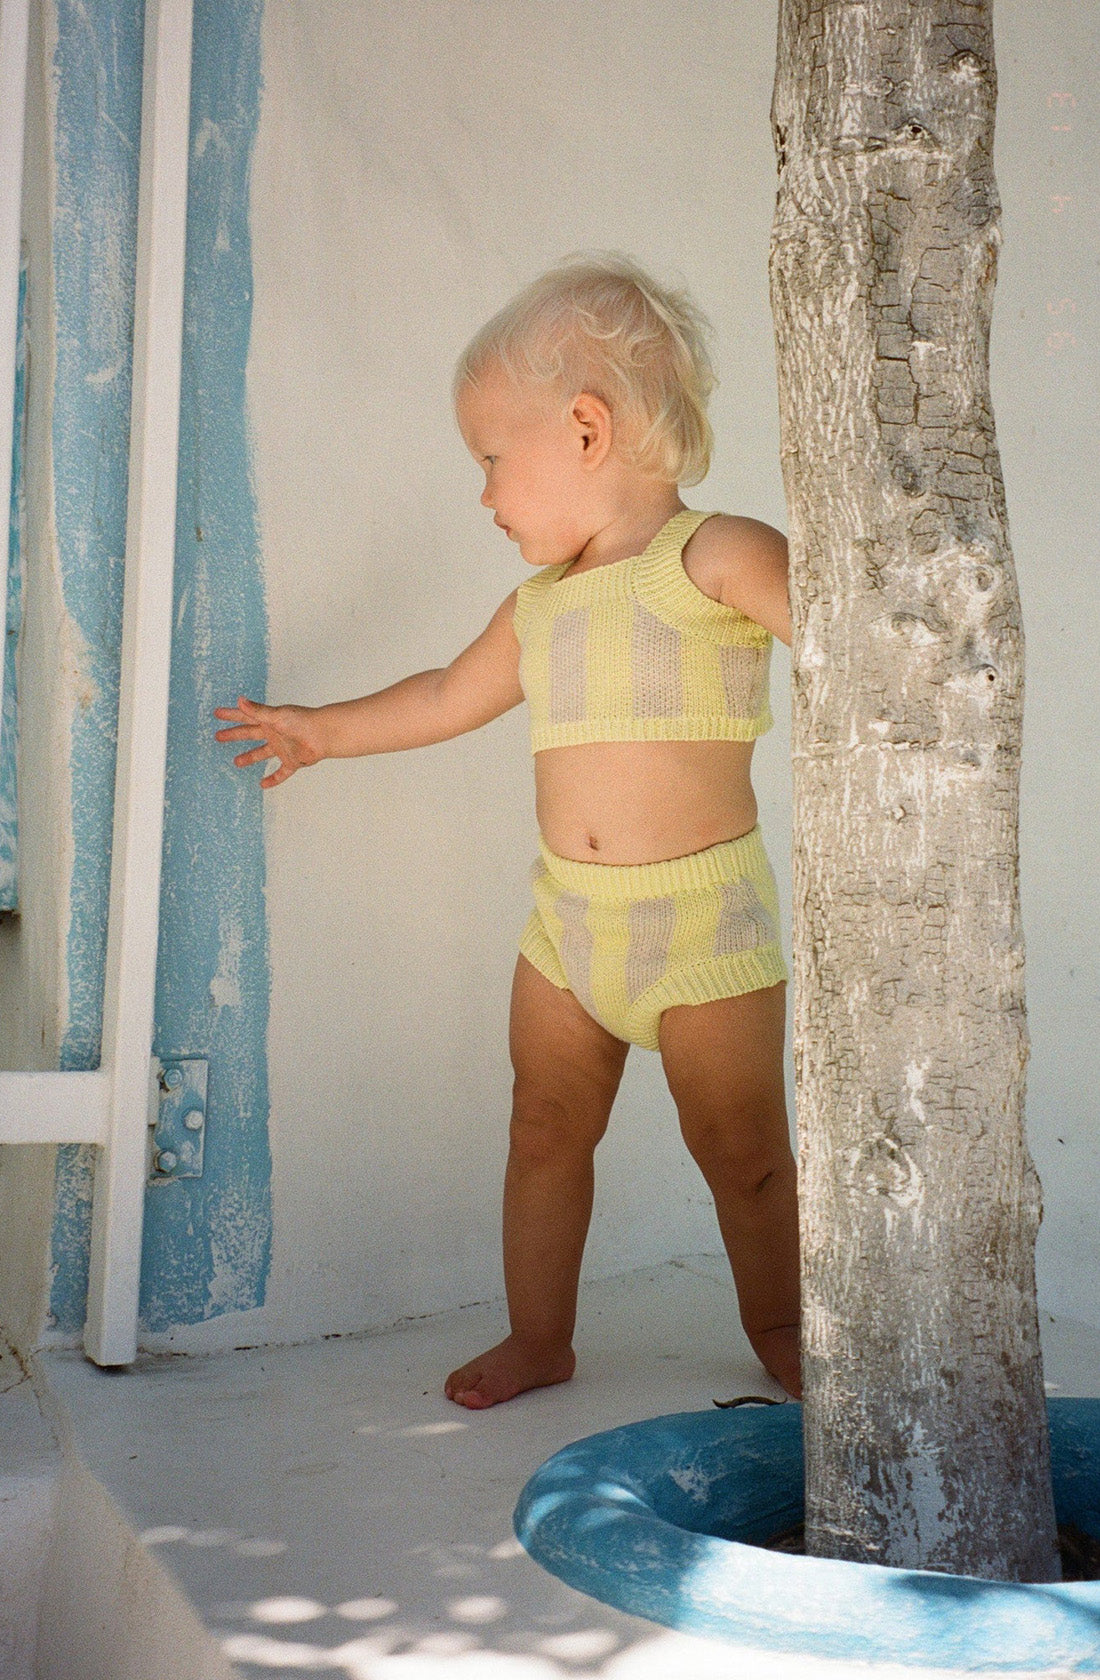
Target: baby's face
x=532 y=459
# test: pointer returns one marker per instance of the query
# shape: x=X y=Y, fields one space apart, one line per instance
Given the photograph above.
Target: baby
x=641 y=645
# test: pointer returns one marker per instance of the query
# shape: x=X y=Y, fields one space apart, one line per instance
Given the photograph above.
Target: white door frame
x=112 y=1107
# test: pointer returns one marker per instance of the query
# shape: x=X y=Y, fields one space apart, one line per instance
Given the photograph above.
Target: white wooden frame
x=112 y=1107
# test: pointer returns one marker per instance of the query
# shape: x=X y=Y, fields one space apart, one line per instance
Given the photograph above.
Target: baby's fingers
x=240 y=732
x=258 y=755
x=243 y=711
x=277 y=776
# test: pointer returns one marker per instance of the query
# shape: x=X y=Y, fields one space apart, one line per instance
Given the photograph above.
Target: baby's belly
x=642 y=801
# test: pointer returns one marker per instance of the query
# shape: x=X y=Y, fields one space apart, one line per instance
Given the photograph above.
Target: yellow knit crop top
x=633 y=651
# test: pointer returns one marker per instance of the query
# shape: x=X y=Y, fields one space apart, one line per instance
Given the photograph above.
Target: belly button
x=593 y=843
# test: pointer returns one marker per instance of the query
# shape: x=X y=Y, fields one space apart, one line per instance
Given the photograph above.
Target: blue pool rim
x=665 y=1518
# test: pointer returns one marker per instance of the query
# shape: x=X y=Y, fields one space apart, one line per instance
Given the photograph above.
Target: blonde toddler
x=641 y=644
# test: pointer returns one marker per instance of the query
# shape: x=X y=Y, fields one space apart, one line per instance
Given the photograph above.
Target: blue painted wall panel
x=207 y=1241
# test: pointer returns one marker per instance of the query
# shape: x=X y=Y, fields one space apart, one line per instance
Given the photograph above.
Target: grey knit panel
x=655 y=673
x=652 y=924
x=743 y=922
x=575 y=950
x=568 y=641
x=743 y=673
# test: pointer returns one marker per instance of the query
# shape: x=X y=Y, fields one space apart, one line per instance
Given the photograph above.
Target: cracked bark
x=925 y=1423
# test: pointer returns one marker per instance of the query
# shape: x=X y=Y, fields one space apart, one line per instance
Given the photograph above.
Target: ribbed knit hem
x=588 y=730
x=622 y=883
x=539 y=952
x=704 y=982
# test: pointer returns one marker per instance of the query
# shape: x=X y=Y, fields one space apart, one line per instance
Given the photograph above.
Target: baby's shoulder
x=726 y=549
x=733 y=536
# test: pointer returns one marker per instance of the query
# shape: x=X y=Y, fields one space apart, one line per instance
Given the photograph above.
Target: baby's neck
x=629 y=526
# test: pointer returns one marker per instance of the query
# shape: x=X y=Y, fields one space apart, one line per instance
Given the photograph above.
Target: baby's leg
x=567 y=1071
x=724 y=1064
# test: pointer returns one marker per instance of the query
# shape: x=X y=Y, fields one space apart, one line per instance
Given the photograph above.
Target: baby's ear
x=592 y=420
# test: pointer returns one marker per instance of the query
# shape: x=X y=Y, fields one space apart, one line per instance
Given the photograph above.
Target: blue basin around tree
x=665 y=1519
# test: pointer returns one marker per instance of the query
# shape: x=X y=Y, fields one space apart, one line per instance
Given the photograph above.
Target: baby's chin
x=542 y=554
x=533 y=555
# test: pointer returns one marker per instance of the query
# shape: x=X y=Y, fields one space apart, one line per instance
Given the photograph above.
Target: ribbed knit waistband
x=621 y=883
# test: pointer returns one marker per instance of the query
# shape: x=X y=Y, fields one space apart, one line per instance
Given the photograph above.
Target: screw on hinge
x=179 y=1123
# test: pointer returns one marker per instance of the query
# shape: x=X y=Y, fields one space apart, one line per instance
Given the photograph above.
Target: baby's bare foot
x=505 y=1371
x=777 y=1351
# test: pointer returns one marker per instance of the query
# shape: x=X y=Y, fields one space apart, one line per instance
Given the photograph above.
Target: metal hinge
x=179 y=1124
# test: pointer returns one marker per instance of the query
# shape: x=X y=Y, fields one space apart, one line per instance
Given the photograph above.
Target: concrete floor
x=326 y=1511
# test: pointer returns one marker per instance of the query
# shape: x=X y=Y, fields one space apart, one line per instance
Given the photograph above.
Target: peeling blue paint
x=9 y=731
x=207 y=1242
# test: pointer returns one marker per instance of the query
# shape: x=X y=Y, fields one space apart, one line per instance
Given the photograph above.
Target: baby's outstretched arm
x=481 y=684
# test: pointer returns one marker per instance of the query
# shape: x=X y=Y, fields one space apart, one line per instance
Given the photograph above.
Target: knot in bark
x=881 y=1166
x=966 y=65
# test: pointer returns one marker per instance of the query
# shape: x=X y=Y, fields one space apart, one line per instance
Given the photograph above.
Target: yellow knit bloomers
x=631 y=940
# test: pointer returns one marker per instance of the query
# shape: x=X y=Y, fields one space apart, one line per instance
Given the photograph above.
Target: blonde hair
x=596 y=322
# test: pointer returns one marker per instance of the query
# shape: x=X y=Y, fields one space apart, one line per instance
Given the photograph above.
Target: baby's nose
x=486 y=498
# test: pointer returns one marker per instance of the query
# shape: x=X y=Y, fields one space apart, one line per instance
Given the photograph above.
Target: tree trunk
x=925 y=1422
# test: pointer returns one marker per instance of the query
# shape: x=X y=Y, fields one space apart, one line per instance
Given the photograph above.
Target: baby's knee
x=748 y=1163
x=547 y=1123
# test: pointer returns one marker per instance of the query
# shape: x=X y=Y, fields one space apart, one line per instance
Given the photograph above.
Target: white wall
x=414 y=165
x=1046 y=380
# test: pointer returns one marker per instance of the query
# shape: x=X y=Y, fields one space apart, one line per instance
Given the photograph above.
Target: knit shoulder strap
x=661 y=584
x=529 y=594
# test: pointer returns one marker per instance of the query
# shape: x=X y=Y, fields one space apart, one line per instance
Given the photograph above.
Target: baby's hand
x=288 y=733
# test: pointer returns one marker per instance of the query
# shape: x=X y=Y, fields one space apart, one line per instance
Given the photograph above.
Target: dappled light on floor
x=244 y=1545
x=587 y=1652
x=326 y=1511
x=483 y=1629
